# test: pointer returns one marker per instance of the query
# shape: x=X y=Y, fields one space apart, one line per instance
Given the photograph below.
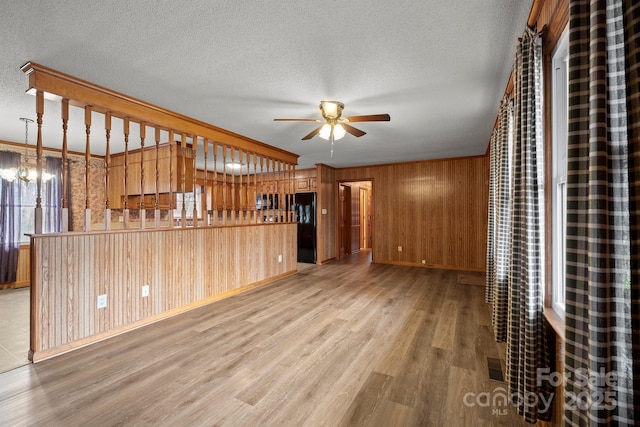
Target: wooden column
x=272 y=185
x=261 y=213
x=183 y=148
x=255 y=185
x=171 y=160
x=241 y=189
x=125 y=210
x=279 y=192
x=87 y=169
x=205 y=194
x=194 y=152
x=234 y=205
x=143 y=212
x=224 y=185
x=293 y=192
x=156 y=213
x=107 y=161
x=64 y=217
x=37 y=227
x=215 y=183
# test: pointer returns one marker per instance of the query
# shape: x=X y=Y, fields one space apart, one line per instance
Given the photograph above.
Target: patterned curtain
x=53 y=196
x=496 y=291
x=526 y=343
x=602 y=326
x=9 y=220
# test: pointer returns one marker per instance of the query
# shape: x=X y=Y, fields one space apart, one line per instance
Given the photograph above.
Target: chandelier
x=23 y=173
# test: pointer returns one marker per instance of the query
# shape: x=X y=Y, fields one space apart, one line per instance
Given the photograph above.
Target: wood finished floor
x=344 y=344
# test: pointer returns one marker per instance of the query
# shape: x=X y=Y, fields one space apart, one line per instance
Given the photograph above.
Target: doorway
x=355 y=217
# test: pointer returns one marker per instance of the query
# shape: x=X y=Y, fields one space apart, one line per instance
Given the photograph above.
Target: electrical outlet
x=279 y=258
x=145 y=291
x=424 y=262
x=399 y=248
x=102 y=301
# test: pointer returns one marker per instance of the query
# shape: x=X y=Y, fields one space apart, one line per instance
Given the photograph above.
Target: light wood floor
x=344 y=344
x=14 y=328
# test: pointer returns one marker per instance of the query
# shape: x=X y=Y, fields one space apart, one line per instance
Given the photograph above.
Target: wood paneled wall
x=184 y=268
x=436 y=210
x=23 y=273
x=326 y=213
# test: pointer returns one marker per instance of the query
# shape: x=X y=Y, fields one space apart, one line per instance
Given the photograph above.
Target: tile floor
x=14 y=328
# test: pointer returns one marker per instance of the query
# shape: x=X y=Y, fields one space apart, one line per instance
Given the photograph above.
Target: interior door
x=345 y=220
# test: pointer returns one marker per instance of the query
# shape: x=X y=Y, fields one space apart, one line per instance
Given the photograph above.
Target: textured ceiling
x=439 y=68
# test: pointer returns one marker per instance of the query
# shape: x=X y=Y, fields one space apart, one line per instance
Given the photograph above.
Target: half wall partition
x=177 y=213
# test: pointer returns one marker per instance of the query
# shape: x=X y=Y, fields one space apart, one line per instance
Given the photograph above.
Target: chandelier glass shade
x=23 y=173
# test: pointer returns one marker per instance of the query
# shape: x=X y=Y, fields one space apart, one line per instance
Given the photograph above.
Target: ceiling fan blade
x=296 y=120
x=312 y=133
x=370 y=118
x=353 y=131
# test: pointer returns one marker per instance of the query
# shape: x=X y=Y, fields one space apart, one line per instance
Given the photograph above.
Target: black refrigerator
x=306 y=217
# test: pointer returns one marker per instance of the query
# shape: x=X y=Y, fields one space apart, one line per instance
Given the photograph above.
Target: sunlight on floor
x=14 y=328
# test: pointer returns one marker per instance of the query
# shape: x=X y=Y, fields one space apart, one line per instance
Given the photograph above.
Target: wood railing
x=191 y=213
x=158 y=163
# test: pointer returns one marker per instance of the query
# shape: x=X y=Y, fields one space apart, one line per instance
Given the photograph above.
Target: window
x=28 y=193
x=559 y=80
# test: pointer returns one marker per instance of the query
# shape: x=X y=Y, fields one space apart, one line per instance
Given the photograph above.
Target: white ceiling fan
x=334 y=126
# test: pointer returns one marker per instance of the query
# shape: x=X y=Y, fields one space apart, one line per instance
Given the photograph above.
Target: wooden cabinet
x=225 y=196
x=169 y=159
x=133 y=202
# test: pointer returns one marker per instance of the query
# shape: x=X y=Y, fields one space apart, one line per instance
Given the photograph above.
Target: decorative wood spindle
x=87 y=171
x=171 y=144
x=234 y=206
x=193 y=186
x=107 y=162
x=262 y=190
x=279 y=191
x=143 y=212
x=38 y=218
x=125 y=210
x=215 y=183
x=156 y=207
x=287 y=192
x=205 y=194
x=241 y=189
x=255 y=186
x=293 y=192
x=270 y=201
x=224 y=185
x=65 y=167
x=183 y=148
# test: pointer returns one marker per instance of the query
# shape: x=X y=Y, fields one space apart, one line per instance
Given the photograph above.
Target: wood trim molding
x=81 y=93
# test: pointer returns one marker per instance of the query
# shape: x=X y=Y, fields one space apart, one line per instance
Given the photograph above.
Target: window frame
x=559 y=144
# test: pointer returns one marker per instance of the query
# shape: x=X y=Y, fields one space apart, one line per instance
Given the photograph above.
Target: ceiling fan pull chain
x=332 y=139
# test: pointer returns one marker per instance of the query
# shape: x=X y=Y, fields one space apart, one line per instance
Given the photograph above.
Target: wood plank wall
x=184 y=268
x=326 y=222
x=436 y=210
x=23 y=273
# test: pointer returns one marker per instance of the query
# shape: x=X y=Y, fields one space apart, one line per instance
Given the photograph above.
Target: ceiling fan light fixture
x=331 y=109
x=338 y=131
